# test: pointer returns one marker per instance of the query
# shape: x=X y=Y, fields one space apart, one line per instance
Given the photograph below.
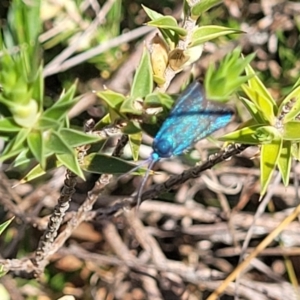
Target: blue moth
x=191 y=119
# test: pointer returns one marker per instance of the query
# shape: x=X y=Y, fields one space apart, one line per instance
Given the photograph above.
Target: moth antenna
x=147 y=161
x=139 y=195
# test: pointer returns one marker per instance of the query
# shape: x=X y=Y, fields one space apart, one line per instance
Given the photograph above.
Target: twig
x=81 y=215
x=55 y=220
x=146 y=240
x=58 y=60
x=46 y=242
x=82 y=57
x=158 y=189
x=193 y=172
x=241 y=267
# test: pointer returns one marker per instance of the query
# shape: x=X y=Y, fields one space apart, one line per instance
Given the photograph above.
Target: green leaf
x=58 y=112
x=26 y=15
x=245 y=135
x=24 y=26
x=132 y=127
x=64 y=153
x=59 y=109
x=152 y=14
x=168 y=22
x=9 y=154
x=4 y=225
x=103 y=164
x=75 y=138
x=55 y=143
x=143 y=79
x=24 y=158
x=8 y=77
x=69 y=160
x=66 y=96
x=38 y=88
x=256 y=85
x=159 y=99
x=105 y=121
x=224 y=80
x=47 y=124
x=114 y=102
x=291 y=131
x=113 y=99
x=9 y=125
x=19 y=93
x=132 y=106
x=135 y=141
x=16 y=144
x=252 y=109
x=51 y=164
x=168 y=35
x=297 y=83
x=265 y=107
x=37 y=146
x=285 y=162
x=269 y=157
x=207 y=33
x=203 y=6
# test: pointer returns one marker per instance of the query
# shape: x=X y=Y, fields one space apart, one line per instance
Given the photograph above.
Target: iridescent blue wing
x=191 y=119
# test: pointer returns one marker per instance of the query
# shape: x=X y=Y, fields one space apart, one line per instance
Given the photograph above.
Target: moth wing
x=185 y=122
x=192 y=119
x=219 y=116
x=190 y=98
x=192 y=95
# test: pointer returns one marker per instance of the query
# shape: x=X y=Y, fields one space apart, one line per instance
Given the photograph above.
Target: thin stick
x=255 y=253
x=82 y=57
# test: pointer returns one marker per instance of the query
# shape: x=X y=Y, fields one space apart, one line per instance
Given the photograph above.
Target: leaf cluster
x=274 y=126
x=31 y=132
x=181 y=46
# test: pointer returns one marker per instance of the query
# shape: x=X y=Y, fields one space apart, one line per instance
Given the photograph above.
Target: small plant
x=31 y=131
x=274 y=127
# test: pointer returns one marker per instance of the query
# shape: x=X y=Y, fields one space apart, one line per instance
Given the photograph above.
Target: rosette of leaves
x=31 y=132
x=274 y=126
x=171 y=53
